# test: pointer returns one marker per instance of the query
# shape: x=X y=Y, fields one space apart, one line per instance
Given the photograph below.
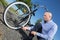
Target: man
x=49 y=28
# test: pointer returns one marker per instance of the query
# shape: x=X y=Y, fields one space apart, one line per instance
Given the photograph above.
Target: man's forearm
x=42 y=35
x=29 y=28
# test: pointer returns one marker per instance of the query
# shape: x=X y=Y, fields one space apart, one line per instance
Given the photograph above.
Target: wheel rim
x=7 y=10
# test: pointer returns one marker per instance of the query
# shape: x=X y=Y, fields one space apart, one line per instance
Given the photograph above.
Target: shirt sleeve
x=29 y=28
x=50 y=34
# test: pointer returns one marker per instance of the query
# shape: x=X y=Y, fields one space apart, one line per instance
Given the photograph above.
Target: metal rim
x=7 y=10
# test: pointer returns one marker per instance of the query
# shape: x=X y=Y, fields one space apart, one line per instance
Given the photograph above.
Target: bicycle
x=18 y=20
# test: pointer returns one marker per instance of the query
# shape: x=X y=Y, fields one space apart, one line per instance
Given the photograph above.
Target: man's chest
x=46 y=27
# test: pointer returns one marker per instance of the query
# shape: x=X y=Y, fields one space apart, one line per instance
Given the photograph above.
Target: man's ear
x=50 y=17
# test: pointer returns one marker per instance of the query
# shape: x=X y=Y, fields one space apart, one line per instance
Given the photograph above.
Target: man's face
x=47 y=16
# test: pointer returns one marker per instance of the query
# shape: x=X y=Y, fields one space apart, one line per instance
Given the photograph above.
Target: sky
x=53 y=6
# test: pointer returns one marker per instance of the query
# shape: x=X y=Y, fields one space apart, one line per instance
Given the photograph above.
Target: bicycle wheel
x=16 y=15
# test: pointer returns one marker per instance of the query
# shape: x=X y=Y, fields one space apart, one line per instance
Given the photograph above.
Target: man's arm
x=27 y=28
x=50 y=34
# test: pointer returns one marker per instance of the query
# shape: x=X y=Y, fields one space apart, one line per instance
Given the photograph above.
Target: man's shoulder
x=53 y=24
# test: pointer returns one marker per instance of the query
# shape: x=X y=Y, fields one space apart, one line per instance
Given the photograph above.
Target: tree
x=28 y=2
x=4 y=2
x=38 y=21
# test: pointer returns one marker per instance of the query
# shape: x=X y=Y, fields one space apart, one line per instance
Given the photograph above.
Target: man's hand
x=33 y=32
x=25 y=28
